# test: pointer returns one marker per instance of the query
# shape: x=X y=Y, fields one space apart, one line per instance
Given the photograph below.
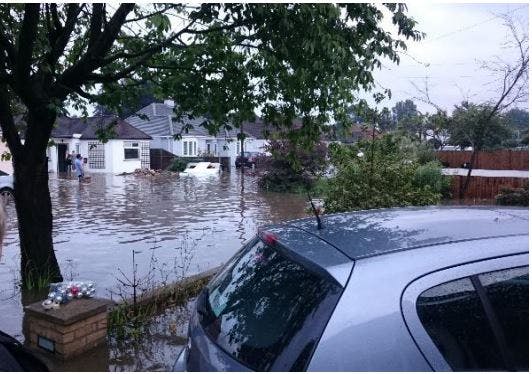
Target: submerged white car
x=201 y=169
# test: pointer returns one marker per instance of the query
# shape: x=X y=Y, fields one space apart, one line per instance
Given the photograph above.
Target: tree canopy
x=222 y=60
x=472 y=125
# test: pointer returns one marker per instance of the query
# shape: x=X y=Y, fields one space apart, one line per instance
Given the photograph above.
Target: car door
x=473 y=316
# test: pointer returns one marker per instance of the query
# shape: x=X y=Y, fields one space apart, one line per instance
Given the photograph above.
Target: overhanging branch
x=25 y=43
x=58 y=46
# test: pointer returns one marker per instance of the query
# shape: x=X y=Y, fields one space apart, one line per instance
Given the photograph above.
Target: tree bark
x=34 y=210
x=39 y=264
x=472 y=160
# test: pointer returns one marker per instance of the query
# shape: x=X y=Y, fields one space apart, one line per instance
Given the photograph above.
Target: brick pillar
x=74 y=328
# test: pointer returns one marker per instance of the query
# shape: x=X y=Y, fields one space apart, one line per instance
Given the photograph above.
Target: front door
x=61 y=158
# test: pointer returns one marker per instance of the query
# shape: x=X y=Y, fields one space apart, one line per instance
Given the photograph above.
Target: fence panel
x=484 y=187
x=503 y=159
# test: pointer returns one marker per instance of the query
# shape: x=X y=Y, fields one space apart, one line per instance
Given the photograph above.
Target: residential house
x=257 y=134
x=127 y=150
x=159 y=121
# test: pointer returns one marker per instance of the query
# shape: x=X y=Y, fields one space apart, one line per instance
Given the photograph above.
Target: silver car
x=412 y=289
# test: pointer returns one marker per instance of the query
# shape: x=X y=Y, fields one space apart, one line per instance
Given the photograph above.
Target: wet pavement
x=174 y=226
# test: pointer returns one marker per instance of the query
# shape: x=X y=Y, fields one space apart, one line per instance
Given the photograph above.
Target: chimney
x=169 y=103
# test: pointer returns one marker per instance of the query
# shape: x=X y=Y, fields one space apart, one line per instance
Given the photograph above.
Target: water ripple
x=97 y=225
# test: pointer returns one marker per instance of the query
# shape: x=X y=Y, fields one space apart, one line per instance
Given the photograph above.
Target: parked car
x=411 y=289
x=6 y=184
x=201 y=169
x=249 y=159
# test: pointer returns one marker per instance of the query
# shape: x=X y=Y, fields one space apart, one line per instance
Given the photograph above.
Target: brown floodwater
x=174 y=226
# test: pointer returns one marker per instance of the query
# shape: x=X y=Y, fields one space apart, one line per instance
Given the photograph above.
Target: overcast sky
x=458 y=37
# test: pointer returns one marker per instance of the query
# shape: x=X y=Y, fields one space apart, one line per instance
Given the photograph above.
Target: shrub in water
x=179 y=164
x=291 y=168
x=513 y=196
x=383 y=173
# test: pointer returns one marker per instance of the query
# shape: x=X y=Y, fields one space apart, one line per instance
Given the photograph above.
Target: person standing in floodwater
x=73 y=158
x=78 y=163
x=69 y=163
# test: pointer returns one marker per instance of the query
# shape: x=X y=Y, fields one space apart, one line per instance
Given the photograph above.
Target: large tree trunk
x=34 y=206
x=34 y=210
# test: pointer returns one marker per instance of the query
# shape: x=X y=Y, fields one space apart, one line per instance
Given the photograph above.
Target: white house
x=127 y=150
x=158 y=120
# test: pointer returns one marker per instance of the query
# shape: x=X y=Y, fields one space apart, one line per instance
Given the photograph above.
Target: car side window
x=453 y=316
x=507 y=291
x=479 y=322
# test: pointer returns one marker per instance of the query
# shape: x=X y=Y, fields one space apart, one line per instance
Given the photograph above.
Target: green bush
x=513 y=196
x=180 y=163
x=380 y=174
x=291 y=168
x=430 y=175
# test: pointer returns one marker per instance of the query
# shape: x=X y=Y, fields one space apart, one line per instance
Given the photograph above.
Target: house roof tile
x=66 y=127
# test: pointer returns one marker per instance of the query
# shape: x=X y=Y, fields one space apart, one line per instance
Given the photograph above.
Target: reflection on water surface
x=97 y=225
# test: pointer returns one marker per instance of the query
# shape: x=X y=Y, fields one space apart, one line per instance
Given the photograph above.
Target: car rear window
x=266 y=310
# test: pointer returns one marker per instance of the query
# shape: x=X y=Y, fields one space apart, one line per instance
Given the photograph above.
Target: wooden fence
x=484 y=187
x=504 y=159
x=160 y=159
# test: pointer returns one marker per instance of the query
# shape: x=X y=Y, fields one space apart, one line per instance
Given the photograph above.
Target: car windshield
x=267 y=311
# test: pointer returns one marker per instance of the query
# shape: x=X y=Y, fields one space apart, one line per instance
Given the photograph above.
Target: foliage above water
x=513 y=196
x=292 y=167
x=390 y=171
x=180 y=163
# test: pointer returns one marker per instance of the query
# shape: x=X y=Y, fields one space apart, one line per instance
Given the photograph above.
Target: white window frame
x=96 y=155
x=190 y=148
x=132 y=145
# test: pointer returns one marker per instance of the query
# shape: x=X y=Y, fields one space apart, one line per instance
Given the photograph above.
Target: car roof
x=371 y=233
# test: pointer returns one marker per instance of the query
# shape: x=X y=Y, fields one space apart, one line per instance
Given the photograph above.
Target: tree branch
x=168 y=7
x=26 y=40
x=85 y=94
x=107 y=78
x=150 y=50
x=61 y=41
x=55 y=17
x=8 y=47
x=91 y=60
x=507 y=91
x=96 y=24
x=220 y=28
x=7 y=123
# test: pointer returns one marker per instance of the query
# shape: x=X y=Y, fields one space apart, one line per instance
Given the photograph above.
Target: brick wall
x=72 y=339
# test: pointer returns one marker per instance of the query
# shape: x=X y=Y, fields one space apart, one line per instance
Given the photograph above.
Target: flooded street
x=174 y=226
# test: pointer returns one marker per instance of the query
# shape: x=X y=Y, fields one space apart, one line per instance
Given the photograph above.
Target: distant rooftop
x=161 y=121
x=66 y=127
